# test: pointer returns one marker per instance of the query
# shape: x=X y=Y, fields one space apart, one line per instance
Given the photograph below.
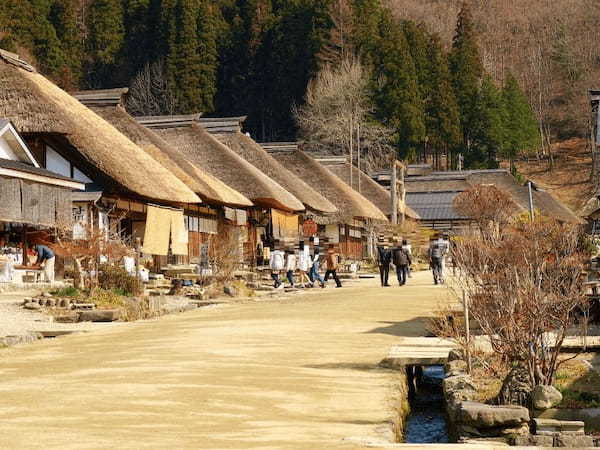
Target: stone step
x=551 y=426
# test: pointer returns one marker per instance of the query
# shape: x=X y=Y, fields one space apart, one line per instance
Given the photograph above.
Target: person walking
x=408 y=249
x=436 y=256
x=444 y=243
x=314 y=269
x=45 y=259
x=276 y=262
x=384 y=258
x=304 y=263
x=402 y=262
x=290 y=266
x=333 y=260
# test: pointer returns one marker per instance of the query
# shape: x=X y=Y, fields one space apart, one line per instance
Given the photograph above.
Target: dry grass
x=570 y=180
x=579 y=384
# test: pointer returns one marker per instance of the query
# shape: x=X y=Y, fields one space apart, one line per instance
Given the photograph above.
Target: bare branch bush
x=87 y=251
x=223 y=256
x=336 y=116
x=150 y=93
x=524 y=286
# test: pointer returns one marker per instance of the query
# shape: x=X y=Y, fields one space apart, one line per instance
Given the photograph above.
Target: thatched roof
x=349 y=202
x=209 y=188
x=252 y=152
x=36 y=105
x=369 y=188
x=220 y=161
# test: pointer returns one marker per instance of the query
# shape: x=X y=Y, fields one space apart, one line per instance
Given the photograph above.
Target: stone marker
x=529 y=440
x=545 y=397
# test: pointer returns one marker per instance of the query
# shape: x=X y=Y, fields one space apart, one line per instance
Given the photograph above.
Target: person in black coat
x=402 y=261
x=384 y=258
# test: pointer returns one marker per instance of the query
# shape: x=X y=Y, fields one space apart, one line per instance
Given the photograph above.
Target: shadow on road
x=416 y=327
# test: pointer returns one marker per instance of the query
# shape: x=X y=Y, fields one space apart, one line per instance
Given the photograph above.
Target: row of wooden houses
x=174 y=182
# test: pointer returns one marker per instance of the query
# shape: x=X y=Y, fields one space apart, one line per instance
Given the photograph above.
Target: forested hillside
x=481 y=79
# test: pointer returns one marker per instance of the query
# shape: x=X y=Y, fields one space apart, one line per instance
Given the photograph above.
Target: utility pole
x=351 y=155
x=402 y=194
x=394 y=192
x=531 y=213
x=358 y=151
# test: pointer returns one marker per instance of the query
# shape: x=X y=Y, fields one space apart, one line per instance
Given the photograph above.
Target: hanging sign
x=309 y=227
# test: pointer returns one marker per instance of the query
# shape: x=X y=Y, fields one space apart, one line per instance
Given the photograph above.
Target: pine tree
x=488 y=132
x=441 y=109
x=105 y=41
x=466 y=68
x=521 y=128
x=395 y=89
x=63 y=17
x=207 y=34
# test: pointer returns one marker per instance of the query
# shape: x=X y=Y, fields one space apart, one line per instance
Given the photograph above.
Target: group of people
x=400 y=256
x=306 y=265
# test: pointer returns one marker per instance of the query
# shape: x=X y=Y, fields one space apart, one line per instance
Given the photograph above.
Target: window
x=57 y=164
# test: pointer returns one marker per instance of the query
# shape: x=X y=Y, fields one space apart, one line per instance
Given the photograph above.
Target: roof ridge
x=101 y=97
x=15 y=60
x=179 y=121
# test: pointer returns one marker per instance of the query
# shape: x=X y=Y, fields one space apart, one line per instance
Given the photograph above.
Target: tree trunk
x=78 y=281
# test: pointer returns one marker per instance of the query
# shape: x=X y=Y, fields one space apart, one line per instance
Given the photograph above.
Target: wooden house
x=351 y=224
x=270 y=199
x=125 y=185
x=202 y=221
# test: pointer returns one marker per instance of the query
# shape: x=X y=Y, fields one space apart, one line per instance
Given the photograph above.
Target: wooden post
x=358 y=151
x=467 y=331
x=25 y=245
x=394 y=191
x=402 y=195
x=351 y=155
x=138 y=252
x=531 y=212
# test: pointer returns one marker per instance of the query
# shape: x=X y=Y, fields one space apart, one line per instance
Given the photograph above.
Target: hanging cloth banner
x=285 y=225
x=179 y=236
x=157 y=232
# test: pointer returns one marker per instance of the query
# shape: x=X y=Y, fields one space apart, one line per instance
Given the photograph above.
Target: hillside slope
x=570 y=180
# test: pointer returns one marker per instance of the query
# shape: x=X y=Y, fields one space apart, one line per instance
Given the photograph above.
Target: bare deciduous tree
x=524 y=286
x=150 y=93
x=336 y=116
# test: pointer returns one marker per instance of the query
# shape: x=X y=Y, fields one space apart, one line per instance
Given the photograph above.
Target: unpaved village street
x=295 y=373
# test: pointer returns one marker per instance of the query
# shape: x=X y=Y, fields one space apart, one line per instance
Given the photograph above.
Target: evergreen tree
x=521 y=128
x=395 y=89
x=141 y=36
x=105 y=41
x=466 y=68
x=63 y=17
x=441 y=109
x=488 y=132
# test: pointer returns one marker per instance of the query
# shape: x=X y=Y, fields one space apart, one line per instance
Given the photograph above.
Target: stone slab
x=100 y=315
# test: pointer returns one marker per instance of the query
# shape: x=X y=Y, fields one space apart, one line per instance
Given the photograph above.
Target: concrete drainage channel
x=437 y=405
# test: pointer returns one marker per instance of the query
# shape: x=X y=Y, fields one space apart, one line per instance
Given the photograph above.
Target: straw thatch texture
x=36 y=105
x=369 y=188
x=252 y=152
x=205 y=185
x=349 y=202
x=543 y=201
x=202 y=148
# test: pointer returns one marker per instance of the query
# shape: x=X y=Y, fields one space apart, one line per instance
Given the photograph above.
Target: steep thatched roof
x=258 y=157
x=36 y=105
x=368 y=187
x=349 y=202
x=202 y=148
x=209 y=188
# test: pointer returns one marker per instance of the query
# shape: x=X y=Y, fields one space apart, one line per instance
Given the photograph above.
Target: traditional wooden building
x=275 y=210
x=202 y=221
x=366 y=186
x=351 y=224
x=432 y=197
x=229 y=132
x=124 y=184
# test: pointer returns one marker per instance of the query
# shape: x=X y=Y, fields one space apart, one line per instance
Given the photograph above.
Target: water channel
x=427 y=421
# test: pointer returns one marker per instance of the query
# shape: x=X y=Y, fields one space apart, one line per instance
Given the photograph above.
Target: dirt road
x=295 y=373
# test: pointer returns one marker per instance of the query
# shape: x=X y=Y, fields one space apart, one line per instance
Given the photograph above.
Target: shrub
x=68 y=291
x=106 y=298
x=117 y=279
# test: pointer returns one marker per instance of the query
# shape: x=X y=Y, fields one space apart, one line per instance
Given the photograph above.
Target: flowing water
x=427 y=422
